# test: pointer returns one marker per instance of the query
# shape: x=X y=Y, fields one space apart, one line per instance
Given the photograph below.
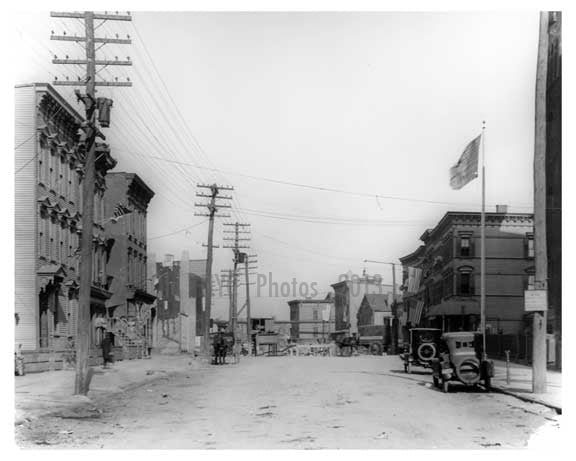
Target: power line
x=322 y=188
x=178 y=231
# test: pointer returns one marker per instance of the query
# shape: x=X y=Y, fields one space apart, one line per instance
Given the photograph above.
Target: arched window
x=465 y=281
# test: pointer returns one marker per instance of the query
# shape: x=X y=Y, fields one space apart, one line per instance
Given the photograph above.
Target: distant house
x=373 y=315
x=348 y=295
x=311 y=319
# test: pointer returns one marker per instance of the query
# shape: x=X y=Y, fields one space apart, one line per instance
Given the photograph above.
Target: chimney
x=502 y=209
x=168 y=260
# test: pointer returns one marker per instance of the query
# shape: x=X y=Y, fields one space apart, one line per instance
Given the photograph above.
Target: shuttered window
x=46 y=242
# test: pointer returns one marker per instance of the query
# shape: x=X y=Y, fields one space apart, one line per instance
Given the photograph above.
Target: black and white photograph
x=261 y=228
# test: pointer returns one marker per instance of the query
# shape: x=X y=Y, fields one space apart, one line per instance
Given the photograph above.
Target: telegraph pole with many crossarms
x=249 y=259
x=213 y=208
x=87 y=144
x=238 y=259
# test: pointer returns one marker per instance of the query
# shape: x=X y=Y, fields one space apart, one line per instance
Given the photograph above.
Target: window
x=314 y=314
x=466 y=284
x=530 y=247
x=51 y=169
x=61 y=179
x=465 y=246
x=57 y=174
x=448 y=288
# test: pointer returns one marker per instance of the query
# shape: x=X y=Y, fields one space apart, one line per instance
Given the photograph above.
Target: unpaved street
x=297 y=402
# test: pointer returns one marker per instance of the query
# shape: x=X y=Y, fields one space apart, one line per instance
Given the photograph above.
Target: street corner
x=547 y=436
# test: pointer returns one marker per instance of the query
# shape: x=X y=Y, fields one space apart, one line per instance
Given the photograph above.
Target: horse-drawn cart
x=222 y=345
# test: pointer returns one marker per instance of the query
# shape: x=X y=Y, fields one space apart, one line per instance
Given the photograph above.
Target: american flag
x=466 y=169
x=415 y=313
x=121 y=210
x=414 y=277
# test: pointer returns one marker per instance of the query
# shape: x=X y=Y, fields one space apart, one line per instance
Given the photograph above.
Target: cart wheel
x=376 y=349
x=444 y=386
x=436 y=382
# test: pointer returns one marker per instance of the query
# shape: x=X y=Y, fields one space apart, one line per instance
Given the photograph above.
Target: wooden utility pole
x=395 y=320
x=88 y=145
x=212 y=207
x=247 y=269
x=239 y=258
x=540 y=249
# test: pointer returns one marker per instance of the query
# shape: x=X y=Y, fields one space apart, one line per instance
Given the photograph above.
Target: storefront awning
x=455 y=307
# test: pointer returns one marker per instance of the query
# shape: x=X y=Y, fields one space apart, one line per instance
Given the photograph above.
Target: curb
x=528 y=399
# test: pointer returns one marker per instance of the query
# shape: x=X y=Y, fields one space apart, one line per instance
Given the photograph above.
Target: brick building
x=48 y=198
x=130 y=307
x=179 y=288
x=311 y=319
x=348 y=295
x=449 y=293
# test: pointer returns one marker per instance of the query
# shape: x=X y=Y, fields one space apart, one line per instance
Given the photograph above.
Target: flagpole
x=483 y=249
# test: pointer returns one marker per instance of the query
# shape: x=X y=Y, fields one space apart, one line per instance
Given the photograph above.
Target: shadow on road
x=413 y=372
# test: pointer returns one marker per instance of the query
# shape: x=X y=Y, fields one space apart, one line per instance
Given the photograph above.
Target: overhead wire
x=177 y=231
x=336 y=190
x=187 y=130
x=162 y=110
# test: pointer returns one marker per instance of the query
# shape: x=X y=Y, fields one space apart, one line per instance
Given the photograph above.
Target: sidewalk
x=521 y=384
x=44 y=393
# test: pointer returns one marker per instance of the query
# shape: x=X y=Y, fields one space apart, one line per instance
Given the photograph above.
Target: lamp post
x=394 y=333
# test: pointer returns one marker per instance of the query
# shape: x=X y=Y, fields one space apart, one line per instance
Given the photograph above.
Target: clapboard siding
x=25 y=217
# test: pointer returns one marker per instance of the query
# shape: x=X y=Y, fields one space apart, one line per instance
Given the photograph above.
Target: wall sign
x=535 y=300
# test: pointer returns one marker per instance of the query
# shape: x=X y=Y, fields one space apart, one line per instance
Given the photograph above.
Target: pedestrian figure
x=107 y=349
x=70 y=355
x=237 y=349
x=219 y=349
x=223 y=350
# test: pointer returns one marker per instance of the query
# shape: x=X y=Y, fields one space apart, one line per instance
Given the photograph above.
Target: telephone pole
x=87 y=146
x=247 y=269
x=226 y=282
x=213 y=208
x=239 y=258
x=540 y=248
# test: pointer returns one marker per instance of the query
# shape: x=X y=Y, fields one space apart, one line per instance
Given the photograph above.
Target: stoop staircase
x=132 y=344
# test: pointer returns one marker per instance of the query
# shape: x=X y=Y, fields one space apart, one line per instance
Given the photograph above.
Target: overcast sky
x=371 y=103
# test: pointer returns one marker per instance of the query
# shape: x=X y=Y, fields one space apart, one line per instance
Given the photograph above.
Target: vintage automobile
x=421 y=348
x=460 y=361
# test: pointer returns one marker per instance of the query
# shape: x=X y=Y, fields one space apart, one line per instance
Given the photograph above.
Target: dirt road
x=298 y=403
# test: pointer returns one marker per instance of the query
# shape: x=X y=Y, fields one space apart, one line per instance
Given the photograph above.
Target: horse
x=220 y=350
x=348 y=344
